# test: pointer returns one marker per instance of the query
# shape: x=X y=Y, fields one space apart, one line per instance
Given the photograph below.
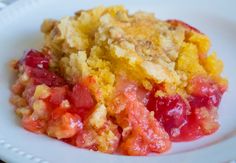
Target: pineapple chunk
x=39 y=109
x=42 y=91
x=23 y=112
x=98 y=117
x=107 y=141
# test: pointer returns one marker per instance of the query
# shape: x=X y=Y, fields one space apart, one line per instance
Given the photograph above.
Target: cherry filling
x=66 y=106
x=36 y=59
x=205 y=93
x=186 y=120
x=44 y=76
x=183 y=118
x=36 y=66
x=82 y=101
x=170 y=111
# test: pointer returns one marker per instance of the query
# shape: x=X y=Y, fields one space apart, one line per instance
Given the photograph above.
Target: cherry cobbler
x=115 y=82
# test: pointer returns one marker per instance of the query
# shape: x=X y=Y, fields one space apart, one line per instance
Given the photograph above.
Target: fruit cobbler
x=109 y=81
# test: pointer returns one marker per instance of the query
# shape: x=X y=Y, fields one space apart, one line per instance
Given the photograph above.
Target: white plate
x=19 y=30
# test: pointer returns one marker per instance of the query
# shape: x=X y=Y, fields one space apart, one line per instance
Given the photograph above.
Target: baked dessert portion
x=115 y=82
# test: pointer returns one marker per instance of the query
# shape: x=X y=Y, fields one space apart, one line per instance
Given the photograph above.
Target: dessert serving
x=115 y=82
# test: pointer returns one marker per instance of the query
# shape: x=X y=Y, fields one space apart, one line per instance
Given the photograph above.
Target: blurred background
x=5 y=3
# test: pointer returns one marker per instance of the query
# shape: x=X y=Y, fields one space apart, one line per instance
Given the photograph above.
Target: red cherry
x=44 y=76
x=204 y=93
x=82 y=100
x=170 y=111
x=36 y=59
